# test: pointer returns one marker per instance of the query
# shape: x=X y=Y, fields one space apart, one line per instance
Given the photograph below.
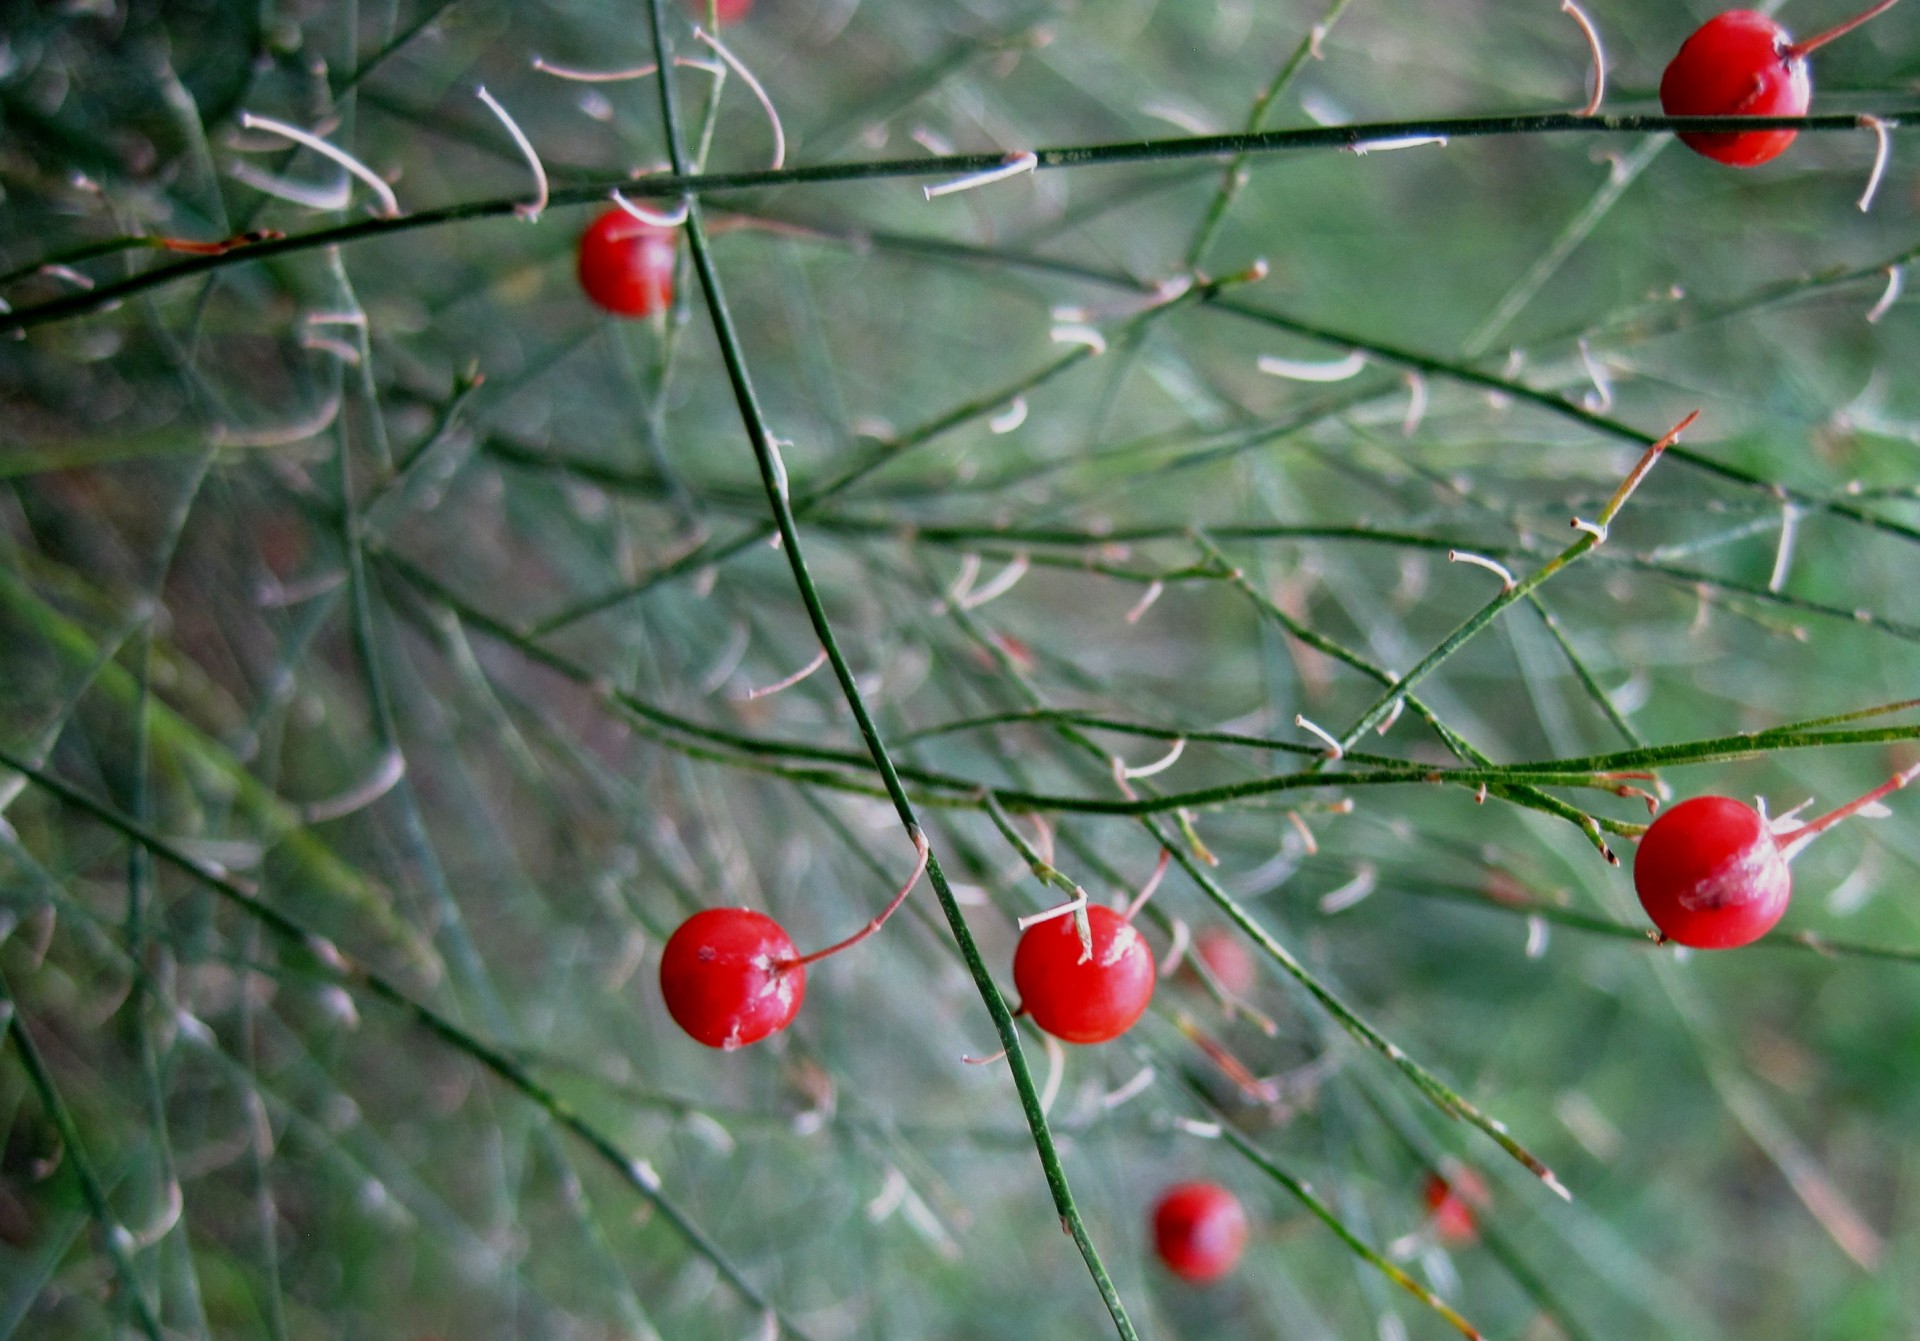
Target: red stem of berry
x=1793 y=840
x=919 y=869
x=1806 y=44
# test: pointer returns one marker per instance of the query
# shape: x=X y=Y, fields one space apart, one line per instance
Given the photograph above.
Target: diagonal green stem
x=774 y=479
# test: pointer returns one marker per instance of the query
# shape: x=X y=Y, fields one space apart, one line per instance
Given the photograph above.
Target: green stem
x=773 y=477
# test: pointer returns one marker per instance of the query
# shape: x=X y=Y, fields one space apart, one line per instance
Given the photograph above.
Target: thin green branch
x=773 y=477
x=681 y=183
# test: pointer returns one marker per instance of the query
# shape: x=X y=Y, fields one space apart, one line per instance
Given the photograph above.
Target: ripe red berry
x=731 y=977
x=626 y=264
x=1737 y=64
x=1199 y=1231
x=1450 y=1205
x=1712 y=872
x=1078 y=997
x=1228 y=959
x=1744 y=64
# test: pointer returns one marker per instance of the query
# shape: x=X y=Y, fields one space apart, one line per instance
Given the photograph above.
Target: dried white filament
x=1145 y=603
x=389 y=205
x=1337 y=750
x=1176 y=115
x=529 y=210
x=1482 y=561
x=1073 y=334
x=1416 y=405
x=1056 y=1072
x=546 y=67
x=755 y=87
x=962 y=584
x=1162 y=764
x=1536 y=936
x=326 y=199
x=1206 y=1131
x=790 y=681
x=1600 y=399
x=1393 y=715
x=1153 y=883
x=1010 y=418
x=1364 y=147
x=893 y=1190
x=1139 y=1083
x=385 y=777
x=1338 y=370
x=1599 y=90
x=1882 y=150
x=1077 y=904
x=1182 y=937
x=1307 y=840
x=1015 y=164
x=68 y=273
x=1345 y=897
x=1889 y=296
x=1002 y=583
x=672 y=218
x=1598 y=532
x=347 y=353
x=1783 y=553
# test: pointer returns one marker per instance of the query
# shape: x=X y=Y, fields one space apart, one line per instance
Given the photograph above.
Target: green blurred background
x=195 y=634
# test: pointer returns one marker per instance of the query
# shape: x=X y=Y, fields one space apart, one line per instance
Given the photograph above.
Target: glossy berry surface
x=730 y=977
x=1084 y=1000
x=626 y=264
x=1710 y=873
x=1199 y=1231
x=1737 y=64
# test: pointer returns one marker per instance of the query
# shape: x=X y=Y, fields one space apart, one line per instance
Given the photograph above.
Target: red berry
x=626 y=264
x=1710 y=874
x=1078 y=997
x=1228 y=959
x=1199 y=1231
x=724 y=11
x=1451 y=1205
x=731 y=977
x=1738 y=64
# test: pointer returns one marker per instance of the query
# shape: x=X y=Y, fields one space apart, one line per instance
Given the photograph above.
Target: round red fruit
x=626 y=264
x=731 y=977
x=1081 y=997
x=1710 y=873
x=1738 y=64
x=1228 y=959
x=1450 y=1205
x=1199 y=1231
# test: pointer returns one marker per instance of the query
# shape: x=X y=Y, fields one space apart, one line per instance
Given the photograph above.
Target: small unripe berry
x=1199 y=1231
x=626 y=264
x=731 y=977
x=1077 y=997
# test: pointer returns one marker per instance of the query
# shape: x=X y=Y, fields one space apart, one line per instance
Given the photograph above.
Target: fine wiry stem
x=760 y=439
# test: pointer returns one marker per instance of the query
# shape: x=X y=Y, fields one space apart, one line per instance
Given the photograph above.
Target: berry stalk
x=1806 y=44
